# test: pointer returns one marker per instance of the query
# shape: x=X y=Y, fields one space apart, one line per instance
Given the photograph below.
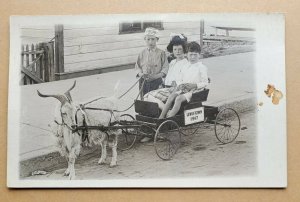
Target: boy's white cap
x=150 y=31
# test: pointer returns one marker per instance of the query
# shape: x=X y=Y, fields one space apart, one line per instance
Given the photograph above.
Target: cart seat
x=200 y=96
x=146 y=108
x=151 y=109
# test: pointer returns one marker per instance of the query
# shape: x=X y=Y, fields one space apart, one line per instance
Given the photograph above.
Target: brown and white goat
x=68 y=115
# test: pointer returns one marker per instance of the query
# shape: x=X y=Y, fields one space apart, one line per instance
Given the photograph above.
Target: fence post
x=59 y=50
x=201 y=32
x=22 y=55
x=33 y=58
x=38 y=66
x=22 y=81
x=26 y=79
x=46 y=66
x=51 y=61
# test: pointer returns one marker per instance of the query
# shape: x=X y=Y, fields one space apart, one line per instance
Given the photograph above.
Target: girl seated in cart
x=191 y=78
x=177 y=48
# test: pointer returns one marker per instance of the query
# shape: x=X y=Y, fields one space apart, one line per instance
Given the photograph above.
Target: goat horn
x=68 y=94
x=61 y=98
x=71 y=87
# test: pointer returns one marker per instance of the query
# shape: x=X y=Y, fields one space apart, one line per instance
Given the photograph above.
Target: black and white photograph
x=147 y=100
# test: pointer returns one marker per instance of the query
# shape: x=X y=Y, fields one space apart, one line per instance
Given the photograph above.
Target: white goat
x=68 y=115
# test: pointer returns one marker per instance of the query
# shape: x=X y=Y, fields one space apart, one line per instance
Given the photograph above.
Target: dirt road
x=200 y=155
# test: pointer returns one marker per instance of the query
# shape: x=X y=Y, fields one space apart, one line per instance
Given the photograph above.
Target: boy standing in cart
x=152 y=63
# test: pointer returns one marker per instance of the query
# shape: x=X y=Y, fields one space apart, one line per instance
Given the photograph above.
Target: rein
x=129 y=89
x=82 y=106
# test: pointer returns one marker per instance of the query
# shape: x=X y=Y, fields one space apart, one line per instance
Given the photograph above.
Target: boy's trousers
x=149 y=86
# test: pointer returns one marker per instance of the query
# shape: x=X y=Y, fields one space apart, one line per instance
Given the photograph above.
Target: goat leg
x=72 y=158
x=103 y=152
x=67 y=171
x=113 y=162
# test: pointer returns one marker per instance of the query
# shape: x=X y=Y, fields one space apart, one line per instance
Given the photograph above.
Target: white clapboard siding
x=107 y=62
x=90 y=47
x=120 y=37
x=107 y=25
x=181 y=25
x=102 y=55
x=123 y=45
x=100 y=63
x=103 y=63
x=95 y=31
x=94 y=47
x=113 y=53
x=102 y=39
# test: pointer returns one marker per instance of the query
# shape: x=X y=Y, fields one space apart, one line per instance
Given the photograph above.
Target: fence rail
x=37 y=63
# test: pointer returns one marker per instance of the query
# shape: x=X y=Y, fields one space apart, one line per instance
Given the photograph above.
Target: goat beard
x=60 y=142
x=62 y=147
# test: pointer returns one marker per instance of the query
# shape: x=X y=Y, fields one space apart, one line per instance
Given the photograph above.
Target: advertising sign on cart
x=194 y=115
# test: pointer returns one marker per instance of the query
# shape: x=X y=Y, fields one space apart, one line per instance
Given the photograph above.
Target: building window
x=135 y=27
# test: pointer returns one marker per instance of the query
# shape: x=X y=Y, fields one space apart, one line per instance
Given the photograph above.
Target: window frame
x=142 y=29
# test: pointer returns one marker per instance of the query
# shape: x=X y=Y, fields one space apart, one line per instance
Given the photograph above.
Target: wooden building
x=96 y=49
x=81 y=50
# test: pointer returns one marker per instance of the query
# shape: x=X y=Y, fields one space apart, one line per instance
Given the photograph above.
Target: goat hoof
x=101 y=162
x=71 y=177
x=67 y=173
x=112 y=165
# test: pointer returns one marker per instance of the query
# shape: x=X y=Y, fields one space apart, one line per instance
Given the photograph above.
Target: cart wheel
x=167 y=140
x=146 y=131
x=191 y=130
x=227 y=125
x=128 y=137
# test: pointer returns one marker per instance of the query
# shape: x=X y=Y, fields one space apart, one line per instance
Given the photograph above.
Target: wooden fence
x=37 y=63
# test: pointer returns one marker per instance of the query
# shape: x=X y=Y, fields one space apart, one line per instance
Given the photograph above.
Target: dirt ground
x=200 y=155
